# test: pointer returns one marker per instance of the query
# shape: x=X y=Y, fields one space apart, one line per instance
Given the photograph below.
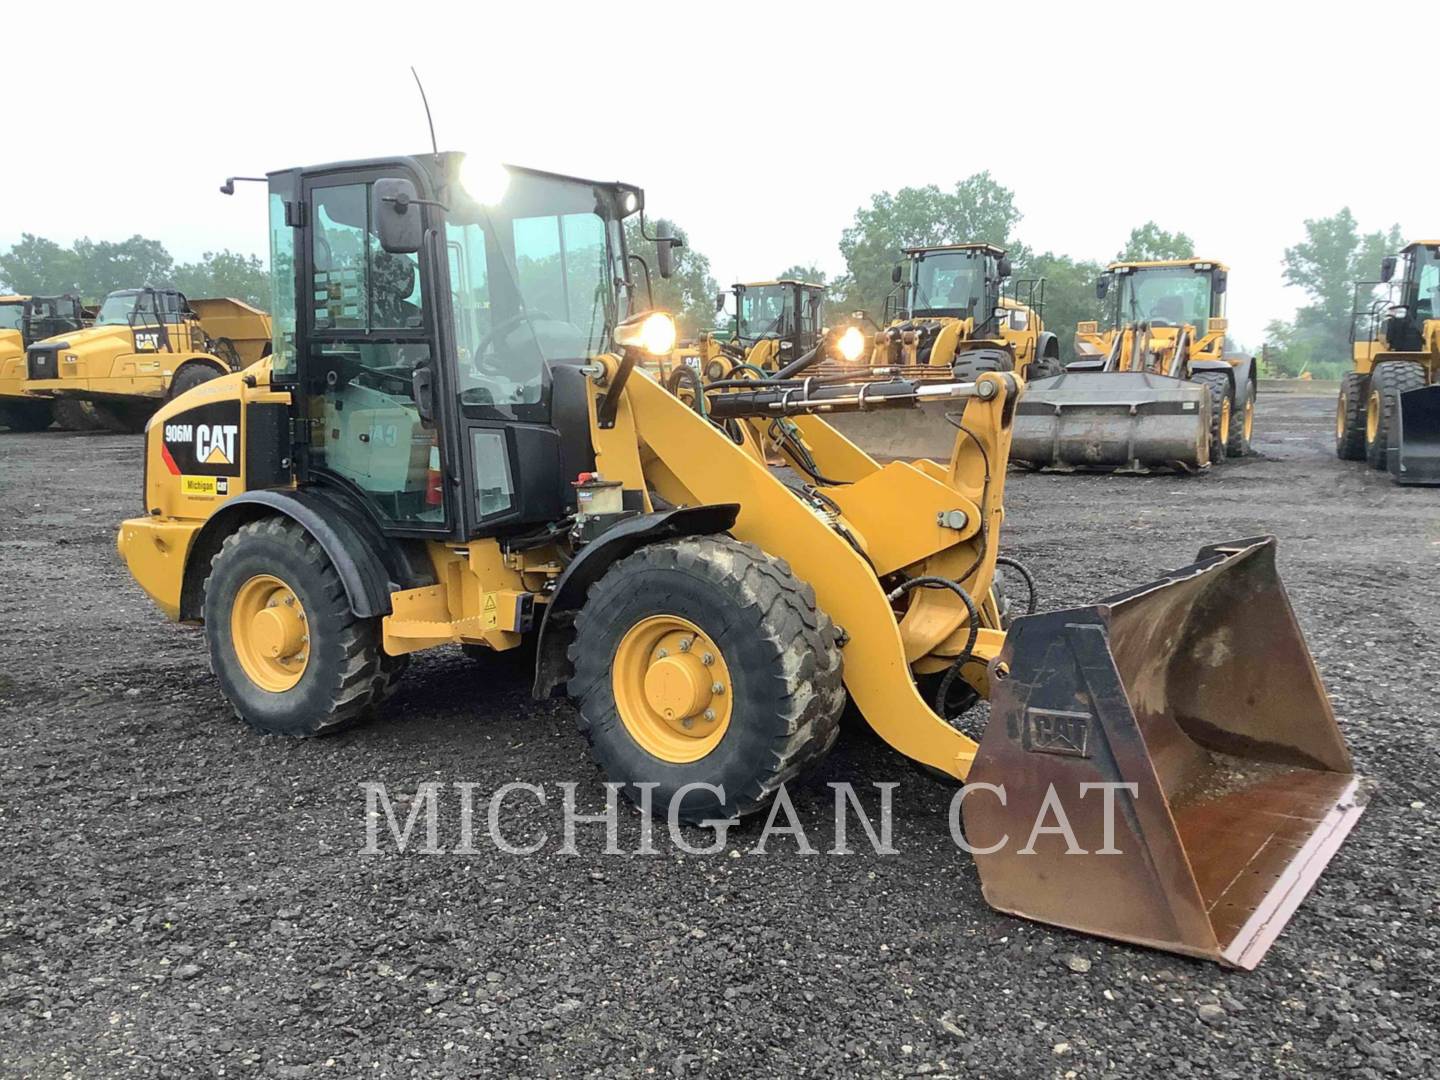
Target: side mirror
x=896 y=274
x=396 y=213
x=665 y=246
x=1387 y=268
x=1102 y=286
x=1003 y=267
x=1222 y=281
x=719 y=302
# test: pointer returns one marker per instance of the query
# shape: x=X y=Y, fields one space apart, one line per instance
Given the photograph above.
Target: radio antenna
x=426 y=102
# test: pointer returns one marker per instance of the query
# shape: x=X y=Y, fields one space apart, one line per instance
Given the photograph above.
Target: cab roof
x=13 y=299
x=989 y=249
x=1155 y=264
x=1420 y=244
x=777 y=281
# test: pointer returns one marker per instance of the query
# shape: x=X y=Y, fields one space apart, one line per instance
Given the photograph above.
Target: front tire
x=1242 y=423
x=1221 y=411
x=190 y=376
x=290 y=655
x=705 y=660
x=123 y=417
x=1382 y=405
x=24 y=416
x=1350 y=417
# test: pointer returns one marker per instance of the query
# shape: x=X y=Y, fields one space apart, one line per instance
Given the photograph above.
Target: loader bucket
x=1197 y=690
x=901 y=434
x=1132 y=420
x=1415 y=456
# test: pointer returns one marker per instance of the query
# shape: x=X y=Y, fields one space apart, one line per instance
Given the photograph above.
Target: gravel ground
x=181 y=896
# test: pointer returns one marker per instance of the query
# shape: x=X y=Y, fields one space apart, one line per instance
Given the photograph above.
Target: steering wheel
x=1161 y=322
x=503 y=330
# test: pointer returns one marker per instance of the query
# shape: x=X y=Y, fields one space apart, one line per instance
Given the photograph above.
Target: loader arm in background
x=893 y=512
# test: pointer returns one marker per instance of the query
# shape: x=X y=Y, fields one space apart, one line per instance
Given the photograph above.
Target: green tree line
x=93 y=268
x=1325 y=263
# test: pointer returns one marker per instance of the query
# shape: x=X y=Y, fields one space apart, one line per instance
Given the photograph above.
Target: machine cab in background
x=441 y=312
x=790 y=310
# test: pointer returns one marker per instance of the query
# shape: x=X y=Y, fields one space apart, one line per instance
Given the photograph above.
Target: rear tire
x=123 y=417
x=191 y=376
x=1387 y=383
x=23 y=416
x=969 y=366
x=339 y=664
x=1221 y=405
x=764 y=634
x=1044 y=367
x=1350 y=417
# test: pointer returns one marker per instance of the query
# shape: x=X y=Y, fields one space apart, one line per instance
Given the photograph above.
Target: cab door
x=368 y=369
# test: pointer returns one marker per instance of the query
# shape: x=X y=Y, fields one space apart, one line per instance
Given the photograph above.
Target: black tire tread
x=1239 y=446
x=783 y=611
x=1391 y=379
x=365 y=675
x=1354 y=393
x=1219 y=384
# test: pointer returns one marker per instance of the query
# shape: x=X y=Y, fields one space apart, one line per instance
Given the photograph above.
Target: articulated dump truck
x=1155 y=388
x=144 y=347
x=25 y=320
x=421 y=463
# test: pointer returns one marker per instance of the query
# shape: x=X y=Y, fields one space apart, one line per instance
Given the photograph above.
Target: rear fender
x=1047 y=344
x=552 y=661
x=355 y=547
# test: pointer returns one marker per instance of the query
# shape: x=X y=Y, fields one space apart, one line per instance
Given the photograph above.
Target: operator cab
x=41 y=317
x=954 y=281
x=1414 y=294
x=787 y=310
x=431 y=317
x=1187 y=292
x=143 y=307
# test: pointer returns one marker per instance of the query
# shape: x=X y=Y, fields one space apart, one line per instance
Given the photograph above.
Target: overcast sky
x=759 y=127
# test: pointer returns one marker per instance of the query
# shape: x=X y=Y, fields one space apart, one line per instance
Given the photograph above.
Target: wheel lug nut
x=707 y=659
x=662 y=654
x=717 y=688
x=709 y=714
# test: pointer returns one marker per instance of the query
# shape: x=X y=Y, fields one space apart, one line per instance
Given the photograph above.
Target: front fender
x=552 y=662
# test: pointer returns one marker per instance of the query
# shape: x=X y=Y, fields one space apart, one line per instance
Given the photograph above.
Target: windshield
x=949 y=283
x=1169 y=296
x=116 y=310
x=11 y=316
x=762 y=311
x=533 y=281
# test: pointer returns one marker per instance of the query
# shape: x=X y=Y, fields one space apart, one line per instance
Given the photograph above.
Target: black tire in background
x=1350 y=417
x=344 y=676
x=1221 y=395
x=1244 y=406
x=22 y=416
x=1387 y=382
x=191 y=376
x=780 y=650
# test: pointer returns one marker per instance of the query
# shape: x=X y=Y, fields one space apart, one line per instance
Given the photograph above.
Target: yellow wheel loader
x=146 y=346
x=1155 y=388
x=951 y=315
x=23 y=321
x=471 y=449
x=1388 y=412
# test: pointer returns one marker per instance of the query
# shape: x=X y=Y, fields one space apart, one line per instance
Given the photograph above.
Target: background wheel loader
x=1388 y=412
x=952 y=315
x=146 y=345
x=426 y=460
x=23 y=321
x=1155 y=388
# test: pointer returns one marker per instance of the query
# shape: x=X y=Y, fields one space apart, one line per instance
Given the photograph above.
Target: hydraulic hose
x=1025 y=575
x=953 y=672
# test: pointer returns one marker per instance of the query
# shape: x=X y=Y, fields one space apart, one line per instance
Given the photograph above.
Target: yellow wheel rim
x=1340 y=411
x=1372 y=417
x=271 y=634
x=1249 y=425
x=1224 y=421
x=672 y=688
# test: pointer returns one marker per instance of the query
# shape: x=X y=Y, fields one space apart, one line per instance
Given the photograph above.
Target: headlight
x=655 y=333
x=484 y=181
x=851 y=344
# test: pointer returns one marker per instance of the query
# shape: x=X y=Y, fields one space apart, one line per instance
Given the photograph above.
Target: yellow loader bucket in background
x=1199 y=691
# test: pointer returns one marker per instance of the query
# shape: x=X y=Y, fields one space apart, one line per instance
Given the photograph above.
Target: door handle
x=422 y=385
